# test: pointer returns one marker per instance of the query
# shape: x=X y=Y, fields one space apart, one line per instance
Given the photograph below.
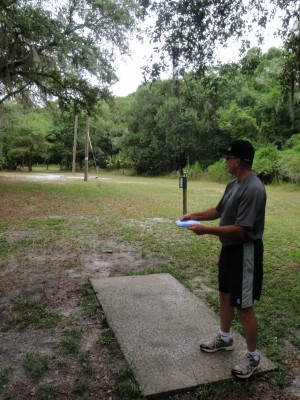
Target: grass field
x=57 y=234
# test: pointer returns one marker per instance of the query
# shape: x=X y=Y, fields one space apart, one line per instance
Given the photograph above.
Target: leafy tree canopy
x=57 y=48
x=187 y=32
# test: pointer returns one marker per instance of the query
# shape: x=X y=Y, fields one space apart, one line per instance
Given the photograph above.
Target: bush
x=289 y=162
x=265 y=163
x=218 y=171
x=195 y=171
x=2 y=162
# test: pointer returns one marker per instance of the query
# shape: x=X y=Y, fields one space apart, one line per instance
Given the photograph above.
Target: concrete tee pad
x=159 y=325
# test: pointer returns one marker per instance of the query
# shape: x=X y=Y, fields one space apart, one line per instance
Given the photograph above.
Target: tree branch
x=10 y=94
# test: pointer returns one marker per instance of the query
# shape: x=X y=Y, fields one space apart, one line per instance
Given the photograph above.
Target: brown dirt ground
x=57 y=277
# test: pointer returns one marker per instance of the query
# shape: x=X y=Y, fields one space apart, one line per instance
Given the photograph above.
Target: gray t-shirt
x=243 y=204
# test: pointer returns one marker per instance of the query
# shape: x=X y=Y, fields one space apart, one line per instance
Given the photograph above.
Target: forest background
x=167 y=125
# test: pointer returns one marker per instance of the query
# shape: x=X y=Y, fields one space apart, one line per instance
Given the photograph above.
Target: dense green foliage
x=168 y=132
x=51 y=50
x=54 y=48
x=153 y=131
x=186 y=33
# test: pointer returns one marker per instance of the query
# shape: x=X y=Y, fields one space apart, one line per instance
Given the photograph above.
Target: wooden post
x=183 y=185
x=74 y=145
x=184 y=191
x=86 y=154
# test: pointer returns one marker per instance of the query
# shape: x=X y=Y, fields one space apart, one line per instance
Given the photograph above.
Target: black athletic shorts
x=241 y=272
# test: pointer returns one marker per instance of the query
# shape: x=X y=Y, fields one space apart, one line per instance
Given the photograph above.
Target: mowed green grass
x=142 y=211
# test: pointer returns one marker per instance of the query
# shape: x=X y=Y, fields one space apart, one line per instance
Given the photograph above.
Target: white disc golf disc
x=187 y=223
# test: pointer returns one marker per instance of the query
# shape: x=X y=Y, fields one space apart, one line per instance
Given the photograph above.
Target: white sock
x=225 y=336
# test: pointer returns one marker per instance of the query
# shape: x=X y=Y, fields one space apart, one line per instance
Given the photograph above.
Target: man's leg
x=250 y=362
x=249 y=323
x=226 y=312
x=223 y=341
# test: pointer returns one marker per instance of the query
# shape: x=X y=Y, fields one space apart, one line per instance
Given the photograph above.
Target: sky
x=130 y=73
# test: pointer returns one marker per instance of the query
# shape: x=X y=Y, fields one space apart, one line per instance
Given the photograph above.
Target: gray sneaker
x=246 y=366
x=216 y=345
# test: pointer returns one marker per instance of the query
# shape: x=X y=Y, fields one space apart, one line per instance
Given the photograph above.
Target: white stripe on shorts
x=248 y=275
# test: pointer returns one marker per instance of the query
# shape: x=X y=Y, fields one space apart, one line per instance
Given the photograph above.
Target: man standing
x=242 y=215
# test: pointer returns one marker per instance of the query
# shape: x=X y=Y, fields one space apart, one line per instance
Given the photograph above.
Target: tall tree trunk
x=30 y=162
x=292 y=101
x=86 y=153
x=74 y=145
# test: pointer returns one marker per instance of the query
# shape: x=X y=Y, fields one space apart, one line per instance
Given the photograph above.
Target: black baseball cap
x=241 y=149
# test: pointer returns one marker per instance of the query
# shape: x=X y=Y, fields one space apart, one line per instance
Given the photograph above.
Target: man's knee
x=246 y=313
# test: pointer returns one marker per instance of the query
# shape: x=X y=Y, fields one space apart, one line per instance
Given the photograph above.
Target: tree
x=180 y=125
x=290 y=76
x=289 y=163
x=270 y=106
x=238 y=122
x=26 y=145
x=265 y=163
x=58 y=49
x=144 y=143
x=252 y=101
x=186 y=33
x=23 y=135
x=61 y=137
x=166 y=132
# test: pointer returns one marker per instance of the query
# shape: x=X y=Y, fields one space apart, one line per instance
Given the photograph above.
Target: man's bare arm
x=207 y=215
x=223 y=231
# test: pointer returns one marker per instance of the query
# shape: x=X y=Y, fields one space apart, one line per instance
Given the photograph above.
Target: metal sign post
x=183 y=185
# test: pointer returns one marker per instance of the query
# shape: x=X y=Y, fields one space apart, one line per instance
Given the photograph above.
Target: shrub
x=2 y=162
x=218 y=171
x=265 y=163
x=289 y=164
x=195 y=171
